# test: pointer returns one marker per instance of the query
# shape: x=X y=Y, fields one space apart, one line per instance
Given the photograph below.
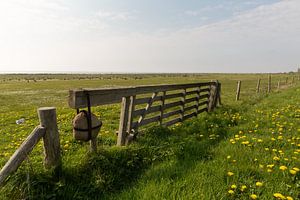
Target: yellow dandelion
x=283 y=168
x=296 y=169
x=293 y=172
x=233 y=186
x=253 y=196
x=230 y=173
x=278 y=196
x=243 y=188
x=259 y=184
x=289 y=198
x=230 y=191
x=276 y=158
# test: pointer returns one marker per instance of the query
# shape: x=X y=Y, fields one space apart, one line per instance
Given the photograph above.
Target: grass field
x=246 y=149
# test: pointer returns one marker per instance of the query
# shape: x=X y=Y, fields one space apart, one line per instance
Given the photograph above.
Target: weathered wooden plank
x=169 y=114
x=148 y=106
x=204 y=90
x=171 y=122
x=173 y=104
x=22 y=152
x=194 y=99
x=190 y=108
x=204 y=96
x=145 y=121
x=191 y=92
x=185 y=117
x=172 y=96
x=203 y=103
x=202 y=110
x=143 y=111
x=78 y=97
x=147 y=99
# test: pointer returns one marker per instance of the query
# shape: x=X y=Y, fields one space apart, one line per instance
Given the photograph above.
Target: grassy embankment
x=188 y=161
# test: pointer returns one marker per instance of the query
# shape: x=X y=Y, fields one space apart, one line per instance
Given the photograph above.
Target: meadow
x=243 y=150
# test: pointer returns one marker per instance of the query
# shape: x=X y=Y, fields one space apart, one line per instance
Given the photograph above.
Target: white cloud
x=111 y=15
x=263 y=39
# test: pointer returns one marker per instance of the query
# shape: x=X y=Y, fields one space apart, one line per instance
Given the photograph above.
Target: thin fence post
x=183 y=105
x=258 y=86
x=219 y=93
x=198 y=98
x=129 y=134
x=238 y=90
x=286 y=80
x=269 y=83
x=47 y=117
x=162 y=107
x=278 y=86
x=293 y=80
x=123 y=121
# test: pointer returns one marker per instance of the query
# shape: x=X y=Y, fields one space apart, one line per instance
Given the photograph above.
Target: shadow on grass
x=115 y=169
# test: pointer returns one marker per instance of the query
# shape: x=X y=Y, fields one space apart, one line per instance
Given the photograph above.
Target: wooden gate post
x=47 y=117
x=122 y=134
x=238 y=90
x=258 y=86
x=211 y=98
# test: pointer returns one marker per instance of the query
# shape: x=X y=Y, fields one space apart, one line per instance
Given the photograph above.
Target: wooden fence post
x=258 y=86
x=47 y=117
x=278 y=86
x=286 y=80
x=219 y=93
x=162 y=108
x=123 y=121
x=211 y=99
x=238 y=90
x=293 y=79
x=269 y=83
x=183 y=105
x=198 y=98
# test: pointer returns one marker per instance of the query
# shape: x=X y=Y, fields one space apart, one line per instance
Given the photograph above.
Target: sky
x=157 y=36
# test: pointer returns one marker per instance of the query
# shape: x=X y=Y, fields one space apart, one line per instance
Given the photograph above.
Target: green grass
x=186 y=161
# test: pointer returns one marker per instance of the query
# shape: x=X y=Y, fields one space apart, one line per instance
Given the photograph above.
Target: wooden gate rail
x=191 y=99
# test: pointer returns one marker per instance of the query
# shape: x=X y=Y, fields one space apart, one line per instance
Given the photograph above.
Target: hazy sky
x=150 y=35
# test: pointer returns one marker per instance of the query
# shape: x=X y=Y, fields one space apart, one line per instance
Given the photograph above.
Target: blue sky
x=150 y=35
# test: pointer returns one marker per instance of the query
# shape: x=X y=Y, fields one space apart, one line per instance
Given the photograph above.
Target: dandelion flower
x=259 y=184
x=243 y=188
x=283 y=168
x=253 y=196
x=278 y=196
x=230 y=191
x=296 y=169
x=293 y=172
x=230 y=173
x=233 y=186
x=276 y=158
